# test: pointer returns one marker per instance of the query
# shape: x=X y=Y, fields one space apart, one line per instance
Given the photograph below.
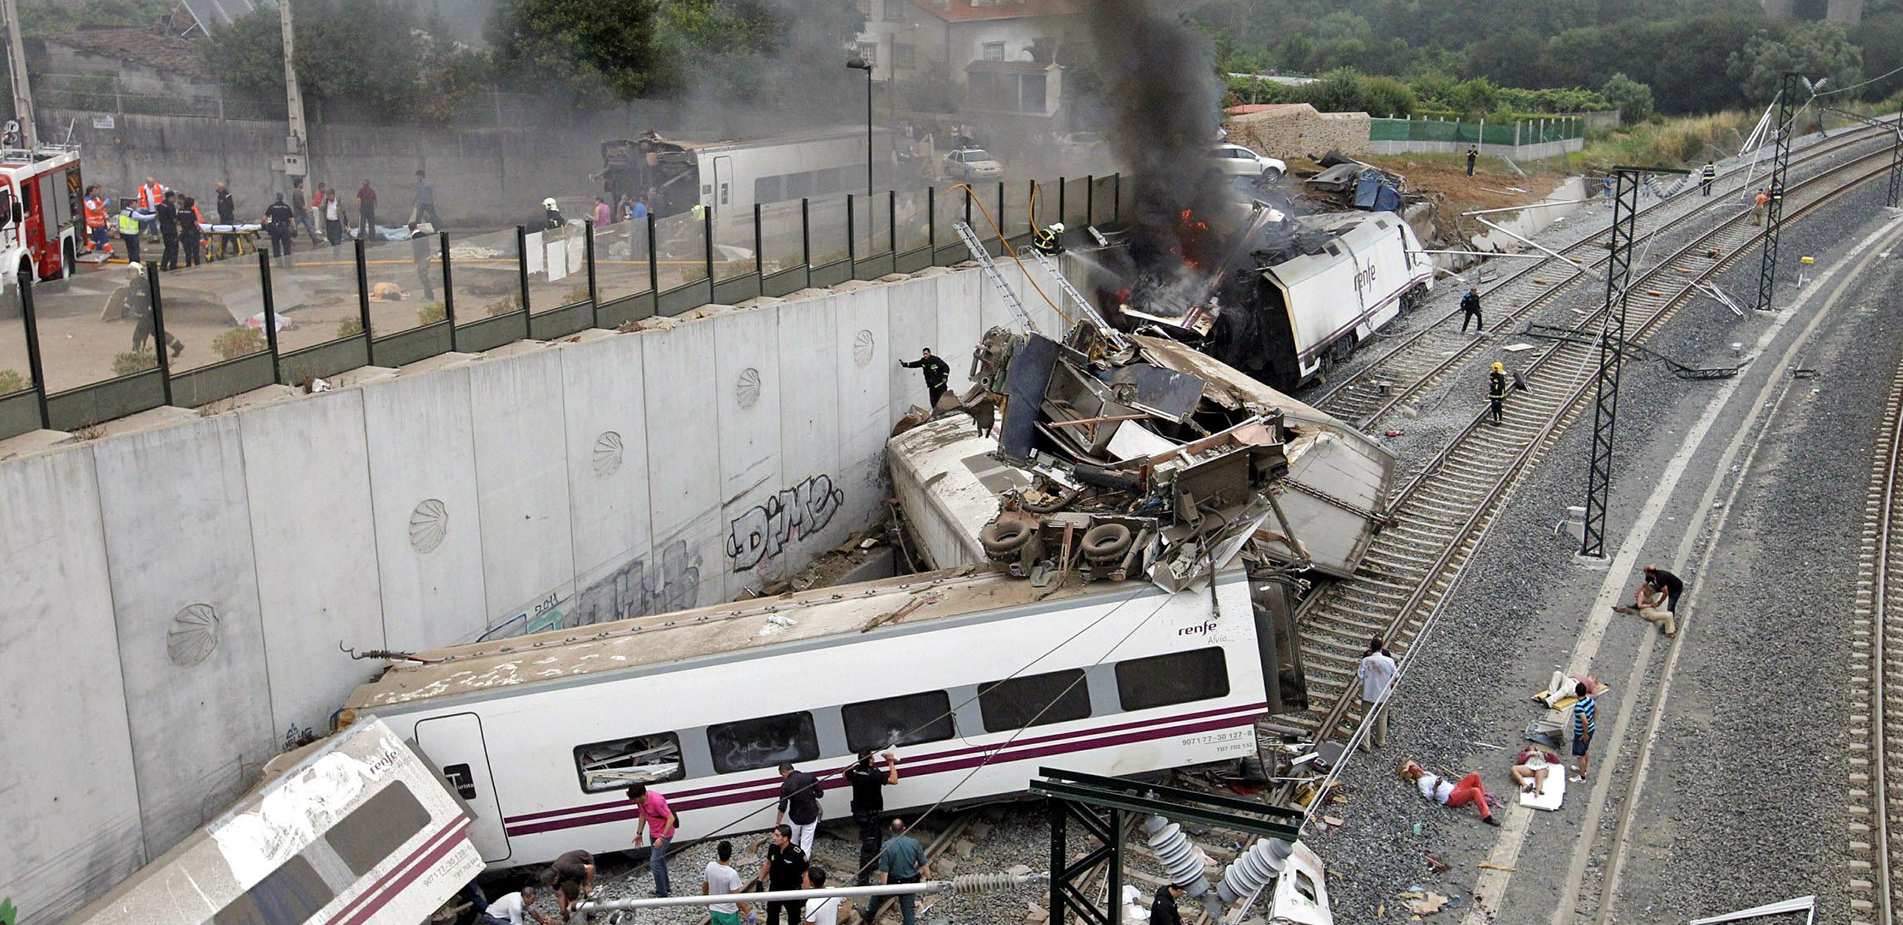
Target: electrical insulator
x=1254 y=869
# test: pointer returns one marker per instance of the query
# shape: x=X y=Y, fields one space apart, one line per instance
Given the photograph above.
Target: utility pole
x=296 y=147
x=1625 y=208
x=1774 y=210
x=16 y=73
x=1895 y=125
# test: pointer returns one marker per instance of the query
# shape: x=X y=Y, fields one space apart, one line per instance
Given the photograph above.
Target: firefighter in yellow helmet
x=1050 y=239
x=1496 y=392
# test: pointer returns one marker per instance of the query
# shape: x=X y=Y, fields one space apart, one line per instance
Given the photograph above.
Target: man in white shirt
x=719 y=880
x=509 y=909
x=820 y=910
x=1376 y=674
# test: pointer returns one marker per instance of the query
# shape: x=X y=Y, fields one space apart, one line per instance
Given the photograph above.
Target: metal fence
x=80 y=351
x=1522 y=132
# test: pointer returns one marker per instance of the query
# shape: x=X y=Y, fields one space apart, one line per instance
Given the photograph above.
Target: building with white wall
x=1001 y=53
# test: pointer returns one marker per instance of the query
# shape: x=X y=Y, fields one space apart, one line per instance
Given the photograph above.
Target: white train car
x=979 y=680
x=1312 y=308
x=356 y=831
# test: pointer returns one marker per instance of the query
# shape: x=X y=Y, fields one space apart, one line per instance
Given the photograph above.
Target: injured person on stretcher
x=1452 y=794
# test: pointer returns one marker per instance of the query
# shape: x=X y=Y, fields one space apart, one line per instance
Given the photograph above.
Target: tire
x=1106 y=541
x=1004 y=537
x=1271 y=176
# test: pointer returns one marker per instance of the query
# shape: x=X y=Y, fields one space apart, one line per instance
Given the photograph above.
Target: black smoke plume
x=1162 y=114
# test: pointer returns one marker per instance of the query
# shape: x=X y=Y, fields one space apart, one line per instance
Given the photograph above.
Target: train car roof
x=1358 y=230
x=842 y=611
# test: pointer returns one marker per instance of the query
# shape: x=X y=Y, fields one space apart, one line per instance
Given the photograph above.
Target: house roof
x=160 y=51
x=968 y=11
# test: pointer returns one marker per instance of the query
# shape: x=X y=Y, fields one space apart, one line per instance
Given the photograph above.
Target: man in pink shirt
x=657 y=818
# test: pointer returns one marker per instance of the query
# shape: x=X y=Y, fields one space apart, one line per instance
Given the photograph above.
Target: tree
x=1815 y=50
x=767 y=54
x=581 y=45
x=1631 y=98
x=374 y=55
x=1881 y=38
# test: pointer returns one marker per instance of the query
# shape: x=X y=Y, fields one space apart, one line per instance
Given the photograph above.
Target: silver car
x=972 y=164
x=1238 y=161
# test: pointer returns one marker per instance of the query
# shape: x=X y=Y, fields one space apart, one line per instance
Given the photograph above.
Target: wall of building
x=182 y=592
x=1300 y=131
x=1527 y=152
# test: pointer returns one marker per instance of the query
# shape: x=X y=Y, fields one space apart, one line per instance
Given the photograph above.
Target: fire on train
x=1297 y=295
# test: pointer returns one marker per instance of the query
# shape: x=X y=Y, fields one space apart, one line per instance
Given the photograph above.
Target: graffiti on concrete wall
x=792 y=515
x=665 y=581
x=541 y=616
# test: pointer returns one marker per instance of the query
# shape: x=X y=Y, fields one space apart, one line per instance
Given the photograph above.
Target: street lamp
x=860 y=64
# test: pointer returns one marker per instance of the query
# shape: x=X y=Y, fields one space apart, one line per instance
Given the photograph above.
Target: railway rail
x=1443 y=512
x=1423 y=358
x=1876 y=677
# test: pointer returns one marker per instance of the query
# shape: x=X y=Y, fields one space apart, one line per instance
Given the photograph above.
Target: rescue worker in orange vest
x=96 y=220
x=151 y=195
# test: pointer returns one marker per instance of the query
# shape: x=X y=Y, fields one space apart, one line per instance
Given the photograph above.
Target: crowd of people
x=895 y=858
x=185 y=231
x=1656 y=601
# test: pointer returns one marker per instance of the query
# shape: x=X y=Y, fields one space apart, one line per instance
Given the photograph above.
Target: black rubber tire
x=1003 y=537
x=1106 y=541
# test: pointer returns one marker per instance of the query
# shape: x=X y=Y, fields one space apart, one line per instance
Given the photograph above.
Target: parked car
x=972 y=164
x=1238 y=161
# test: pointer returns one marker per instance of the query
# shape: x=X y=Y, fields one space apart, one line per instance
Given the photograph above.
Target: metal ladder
x=983 y=257
x=1084 y=306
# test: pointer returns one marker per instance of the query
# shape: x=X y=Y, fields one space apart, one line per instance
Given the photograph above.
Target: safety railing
x=117 y=339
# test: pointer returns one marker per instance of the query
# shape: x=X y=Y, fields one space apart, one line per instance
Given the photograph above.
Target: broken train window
x=763 y=742
x=615 y=764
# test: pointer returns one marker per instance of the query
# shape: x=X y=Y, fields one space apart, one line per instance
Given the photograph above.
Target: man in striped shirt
x=1583 y=710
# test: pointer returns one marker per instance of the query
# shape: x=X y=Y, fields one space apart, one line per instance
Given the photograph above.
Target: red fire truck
x=42 y=204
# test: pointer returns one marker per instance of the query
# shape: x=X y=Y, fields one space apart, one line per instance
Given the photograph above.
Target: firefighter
x=1707 y=178
x=1049 y=239
x=139 y=305
x=100 y=237
x=551 y=215
x=1496 y=392
x=937 y=374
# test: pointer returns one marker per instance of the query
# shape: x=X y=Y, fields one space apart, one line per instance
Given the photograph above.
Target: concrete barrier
x=182 y=588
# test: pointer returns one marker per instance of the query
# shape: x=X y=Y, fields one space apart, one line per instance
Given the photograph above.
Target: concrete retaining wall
x=179 y=593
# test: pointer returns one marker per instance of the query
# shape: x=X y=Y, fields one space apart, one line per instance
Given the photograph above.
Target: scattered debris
x=1439 y=865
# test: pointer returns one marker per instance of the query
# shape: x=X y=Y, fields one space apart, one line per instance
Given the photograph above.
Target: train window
x=799 y=185
x=826 y=181
x=290 y=895
x=763 y=742
x=1333 y=250
x=907 y=720
x=1034 y=700
x=615 y=764
x=1381 y=223
x=374 y=831
x=1180 y=677
x=766 y=189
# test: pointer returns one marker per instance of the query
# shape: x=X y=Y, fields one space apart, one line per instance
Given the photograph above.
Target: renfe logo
x=1203 y=629
x=1364 y=278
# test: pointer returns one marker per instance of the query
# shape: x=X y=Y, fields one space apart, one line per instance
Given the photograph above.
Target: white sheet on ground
x=1552 y=793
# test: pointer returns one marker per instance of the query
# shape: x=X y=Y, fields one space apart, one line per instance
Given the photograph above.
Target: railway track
x=1423 y=358
x=1443 y=512
x=1876 y=678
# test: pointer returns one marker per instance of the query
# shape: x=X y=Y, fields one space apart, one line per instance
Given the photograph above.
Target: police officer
x=1049 y=239
x=1470 y=311
x=280 y=222
x=936 y=371
x=1496 y=392
x=1708 y=177
x=131 y=222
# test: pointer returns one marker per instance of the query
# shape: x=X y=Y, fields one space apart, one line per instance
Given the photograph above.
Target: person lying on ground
x=1452 y=795
x=1530 y=769
x=1563 y=686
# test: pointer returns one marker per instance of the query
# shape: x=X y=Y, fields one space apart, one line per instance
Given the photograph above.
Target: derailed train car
x=1315 y=288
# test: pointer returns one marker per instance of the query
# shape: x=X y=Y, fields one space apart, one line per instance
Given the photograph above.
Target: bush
x=238 y=342
x=432 y=312
x=135 y=361
x=504 y=306
x=349 y=327
x=577 y=294
x=11 y=381
x=1631 y=98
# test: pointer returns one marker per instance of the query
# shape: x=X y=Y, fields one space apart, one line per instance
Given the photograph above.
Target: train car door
x=723 y=183
x=454 y=745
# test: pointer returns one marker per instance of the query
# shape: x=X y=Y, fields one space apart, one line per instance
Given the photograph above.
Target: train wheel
x=1106 y=541
x=1002 y=538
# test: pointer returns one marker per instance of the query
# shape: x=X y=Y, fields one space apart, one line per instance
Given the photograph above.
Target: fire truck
x=42 y=204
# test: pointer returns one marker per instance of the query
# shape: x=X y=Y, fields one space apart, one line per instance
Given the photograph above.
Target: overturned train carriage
x=978 y=678
x=1309 y=302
